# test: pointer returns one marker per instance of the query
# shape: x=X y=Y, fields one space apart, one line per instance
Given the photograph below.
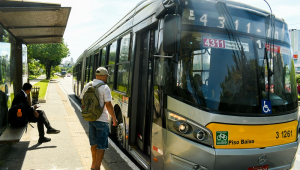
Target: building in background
x=67 y=63
x=295 y=38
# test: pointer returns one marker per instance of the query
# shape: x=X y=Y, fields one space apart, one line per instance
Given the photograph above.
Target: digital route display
x=246 y=22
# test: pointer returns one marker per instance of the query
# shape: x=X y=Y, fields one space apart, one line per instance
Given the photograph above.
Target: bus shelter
x=23 y=23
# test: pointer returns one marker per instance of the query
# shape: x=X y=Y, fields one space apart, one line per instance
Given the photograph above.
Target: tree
x=34 y=67
x=49 y=55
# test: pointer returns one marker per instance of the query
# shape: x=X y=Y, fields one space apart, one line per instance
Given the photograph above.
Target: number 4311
x=222 y=22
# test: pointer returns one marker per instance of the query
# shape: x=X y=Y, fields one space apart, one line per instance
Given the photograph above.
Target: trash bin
x=35 y=94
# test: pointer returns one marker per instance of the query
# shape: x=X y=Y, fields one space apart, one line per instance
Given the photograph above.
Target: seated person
x=198 y=80
x=34 y=115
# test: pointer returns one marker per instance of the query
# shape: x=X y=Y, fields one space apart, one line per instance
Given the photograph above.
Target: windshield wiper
x=268 y=44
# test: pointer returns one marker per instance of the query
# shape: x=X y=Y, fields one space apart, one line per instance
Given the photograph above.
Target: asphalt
x=68 y=150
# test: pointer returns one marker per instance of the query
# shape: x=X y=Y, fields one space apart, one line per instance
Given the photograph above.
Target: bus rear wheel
x=120 y=134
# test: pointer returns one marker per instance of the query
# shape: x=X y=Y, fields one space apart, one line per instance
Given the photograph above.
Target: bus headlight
x=200 y=135
x=181 y=127
x=189 y=129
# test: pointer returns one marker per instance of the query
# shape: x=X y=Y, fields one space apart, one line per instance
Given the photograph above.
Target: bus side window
x=87 y=69
x=111 y=64
x=103 y=51
x=123 y=64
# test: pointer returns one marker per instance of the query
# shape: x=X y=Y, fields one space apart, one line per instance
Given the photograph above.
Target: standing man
x=99 y=130
x=34 y=115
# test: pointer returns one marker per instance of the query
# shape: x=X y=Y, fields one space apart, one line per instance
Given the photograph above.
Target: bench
x=12 y=134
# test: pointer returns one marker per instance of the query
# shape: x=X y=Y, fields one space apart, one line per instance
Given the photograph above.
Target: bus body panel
x=276 y=157
x=158 y=136
x=191 y=152
x=204 y=117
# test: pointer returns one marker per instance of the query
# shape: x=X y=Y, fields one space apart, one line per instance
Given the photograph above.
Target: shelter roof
x=34 y=22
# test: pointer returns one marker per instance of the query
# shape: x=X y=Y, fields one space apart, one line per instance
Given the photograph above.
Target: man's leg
x=43 y=118
x=44 y=121
x=94 y=151
x=93 y=142
x=99 y=157
x=102 y=142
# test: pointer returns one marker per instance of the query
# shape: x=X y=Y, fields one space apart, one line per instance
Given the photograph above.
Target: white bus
x=199 y=84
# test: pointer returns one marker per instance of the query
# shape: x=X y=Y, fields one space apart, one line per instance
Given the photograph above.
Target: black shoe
x=52 y=131
x=44 y=139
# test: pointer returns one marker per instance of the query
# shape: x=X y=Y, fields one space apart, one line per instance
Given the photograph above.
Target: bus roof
x=131 y=14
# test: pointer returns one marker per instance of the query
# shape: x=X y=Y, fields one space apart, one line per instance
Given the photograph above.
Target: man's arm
x=83 y=91
x=111 y=111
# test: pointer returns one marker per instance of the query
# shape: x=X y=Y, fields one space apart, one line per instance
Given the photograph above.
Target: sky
x=90 y=19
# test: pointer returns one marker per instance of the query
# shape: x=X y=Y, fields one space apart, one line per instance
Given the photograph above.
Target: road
x=66 y=84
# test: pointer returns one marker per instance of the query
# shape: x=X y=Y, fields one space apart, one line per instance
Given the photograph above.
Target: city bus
x=63 y=73
x=199 y=84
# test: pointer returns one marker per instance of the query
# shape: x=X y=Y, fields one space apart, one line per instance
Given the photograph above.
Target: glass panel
x=223 y=73
x=103 y=57
x=122 y=77
x=282 y=88
x=6 y=79
x=124 y=50
x=110 y=79
x=112 y=53
x=25 y=65
x=97 y=59
x=91 y=68
x=86 y=69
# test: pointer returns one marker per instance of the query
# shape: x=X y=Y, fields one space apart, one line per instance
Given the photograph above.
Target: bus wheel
x=120 y=134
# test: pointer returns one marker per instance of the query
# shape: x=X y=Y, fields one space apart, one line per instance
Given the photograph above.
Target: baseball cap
x=101 y=71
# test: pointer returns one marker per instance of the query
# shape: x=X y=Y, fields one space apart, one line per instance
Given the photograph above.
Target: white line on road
x=125 y=158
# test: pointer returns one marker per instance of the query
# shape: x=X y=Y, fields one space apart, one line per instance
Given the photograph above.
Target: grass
x=43 y=88
x=31 y=77
x=55 y=77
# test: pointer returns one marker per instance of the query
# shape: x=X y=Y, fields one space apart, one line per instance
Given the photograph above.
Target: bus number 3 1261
x=284 y=134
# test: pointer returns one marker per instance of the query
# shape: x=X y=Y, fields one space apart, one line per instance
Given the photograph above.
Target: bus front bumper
x=186 y=154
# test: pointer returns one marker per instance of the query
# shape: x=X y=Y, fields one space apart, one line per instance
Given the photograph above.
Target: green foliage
x=57 y=69
x=49 y=55
x=55 y=77
x=35 y=68
x=70 y=71
x=298 y=78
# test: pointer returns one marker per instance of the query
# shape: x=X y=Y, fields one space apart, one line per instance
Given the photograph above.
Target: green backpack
x=90 y=107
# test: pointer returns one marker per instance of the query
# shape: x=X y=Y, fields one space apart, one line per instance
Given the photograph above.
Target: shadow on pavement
x=13 y=155
x=36 y=146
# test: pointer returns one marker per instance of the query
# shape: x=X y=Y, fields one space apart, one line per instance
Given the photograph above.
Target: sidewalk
x=67 y=150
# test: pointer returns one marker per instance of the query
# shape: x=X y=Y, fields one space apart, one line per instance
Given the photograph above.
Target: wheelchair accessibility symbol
x=266 y=106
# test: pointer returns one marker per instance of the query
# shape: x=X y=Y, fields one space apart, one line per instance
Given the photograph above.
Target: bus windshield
x=229 y=74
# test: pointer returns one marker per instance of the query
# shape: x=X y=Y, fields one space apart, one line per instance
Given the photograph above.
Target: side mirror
x=171 y=34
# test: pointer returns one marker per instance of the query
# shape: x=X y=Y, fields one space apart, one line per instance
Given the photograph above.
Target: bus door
x=145 y=81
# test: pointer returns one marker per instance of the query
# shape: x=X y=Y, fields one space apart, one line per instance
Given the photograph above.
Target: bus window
x=102 y=61
x=91 y=68
x=87 y=69
x=123 y=64
x=98 y=55
x=111 y=64
x=112 y=53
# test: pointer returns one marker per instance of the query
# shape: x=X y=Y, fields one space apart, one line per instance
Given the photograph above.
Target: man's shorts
x=98 y=134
